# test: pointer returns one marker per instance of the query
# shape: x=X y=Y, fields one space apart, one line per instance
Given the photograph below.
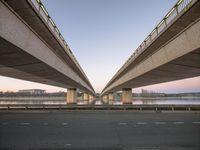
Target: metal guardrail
x=162 y=25
x=45 y=15
x=177 y=9
x=102 y=107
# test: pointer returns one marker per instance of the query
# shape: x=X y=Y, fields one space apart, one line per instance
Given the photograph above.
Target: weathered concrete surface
x=86 y=98
x=24 y=54
x=91 y=99
x=110 y=98
x=174 y=55
x=71 y=96
x=105 y=99
x=127 y=96
x=99 y=130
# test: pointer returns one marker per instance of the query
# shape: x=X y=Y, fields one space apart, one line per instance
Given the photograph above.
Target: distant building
x=32 y=91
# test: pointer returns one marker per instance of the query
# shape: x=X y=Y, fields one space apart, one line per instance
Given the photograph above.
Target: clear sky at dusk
x=102 y=35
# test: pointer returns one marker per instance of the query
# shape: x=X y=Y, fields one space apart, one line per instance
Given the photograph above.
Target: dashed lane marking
x=4 y=123
x=24 y=123
x=160 y=122
x=64 y=124
x=178 y=122
x=68 y=144
x=141 y=123
x=196 y=122
x=122 y=123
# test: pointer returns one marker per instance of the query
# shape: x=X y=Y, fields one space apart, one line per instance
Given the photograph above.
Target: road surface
x=99 y=130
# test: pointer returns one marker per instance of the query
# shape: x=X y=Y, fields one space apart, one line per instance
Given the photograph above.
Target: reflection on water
x=166 y=102
x=62 y=101
x=32 y=100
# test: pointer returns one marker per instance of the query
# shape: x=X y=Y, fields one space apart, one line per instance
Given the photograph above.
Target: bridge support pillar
x=86 y=98
x=91 y=98
x=105 y=99
x=71 y=96
x=127 y=96
x=110 y=98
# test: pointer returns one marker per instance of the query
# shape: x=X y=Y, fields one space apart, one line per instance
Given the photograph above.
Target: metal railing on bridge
x=162 y=25
x=51 y=24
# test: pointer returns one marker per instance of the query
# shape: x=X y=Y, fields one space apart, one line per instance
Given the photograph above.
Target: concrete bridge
x=170 y=52
x=32 y=48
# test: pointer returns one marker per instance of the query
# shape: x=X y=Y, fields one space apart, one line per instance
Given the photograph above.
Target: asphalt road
x=99 y=130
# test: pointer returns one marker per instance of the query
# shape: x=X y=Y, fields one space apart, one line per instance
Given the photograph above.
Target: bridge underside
x=186 y=66
x=173 y=55
x=17 y=63
x=24 y=54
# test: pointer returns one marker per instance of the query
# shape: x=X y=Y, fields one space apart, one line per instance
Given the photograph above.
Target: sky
x=103 y=34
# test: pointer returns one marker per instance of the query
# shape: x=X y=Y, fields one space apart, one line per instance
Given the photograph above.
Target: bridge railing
x=163 y=24
x=45 y=15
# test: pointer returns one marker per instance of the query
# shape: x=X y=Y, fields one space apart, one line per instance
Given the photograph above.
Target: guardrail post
x=165 y=21
x=176 y=8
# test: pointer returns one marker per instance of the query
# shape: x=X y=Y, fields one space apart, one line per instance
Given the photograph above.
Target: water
x=167 y=102
x=62 y=101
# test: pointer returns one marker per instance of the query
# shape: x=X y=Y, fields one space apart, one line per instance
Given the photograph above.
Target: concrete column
x=71 y=96
x=110 y=98
x=127 y=96
x=105 y=99
x=91 y=98
x=102 y=98
x=86 y=98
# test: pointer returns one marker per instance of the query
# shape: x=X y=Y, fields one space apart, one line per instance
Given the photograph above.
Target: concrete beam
x=71 y=96
x=28 y=54
x=127 y=96
x=175 y=53
x=173 y=48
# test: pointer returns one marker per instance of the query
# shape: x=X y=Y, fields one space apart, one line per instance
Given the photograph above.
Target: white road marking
x=64 y=123
x=196 y=122
x=141 y=123
x=122 y=123
x=68 y=144
x=24 y=123
x=45 y=124
x=160 y=122
x=4 y=123
x=148 y=148
x=178 y=122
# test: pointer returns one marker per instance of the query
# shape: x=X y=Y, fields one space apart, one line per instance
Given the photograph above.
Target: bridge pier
x=91 y=98
x=86 y=98
x=105 y=99
x=110 y=98
x=71 y=96
x=127 y=96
